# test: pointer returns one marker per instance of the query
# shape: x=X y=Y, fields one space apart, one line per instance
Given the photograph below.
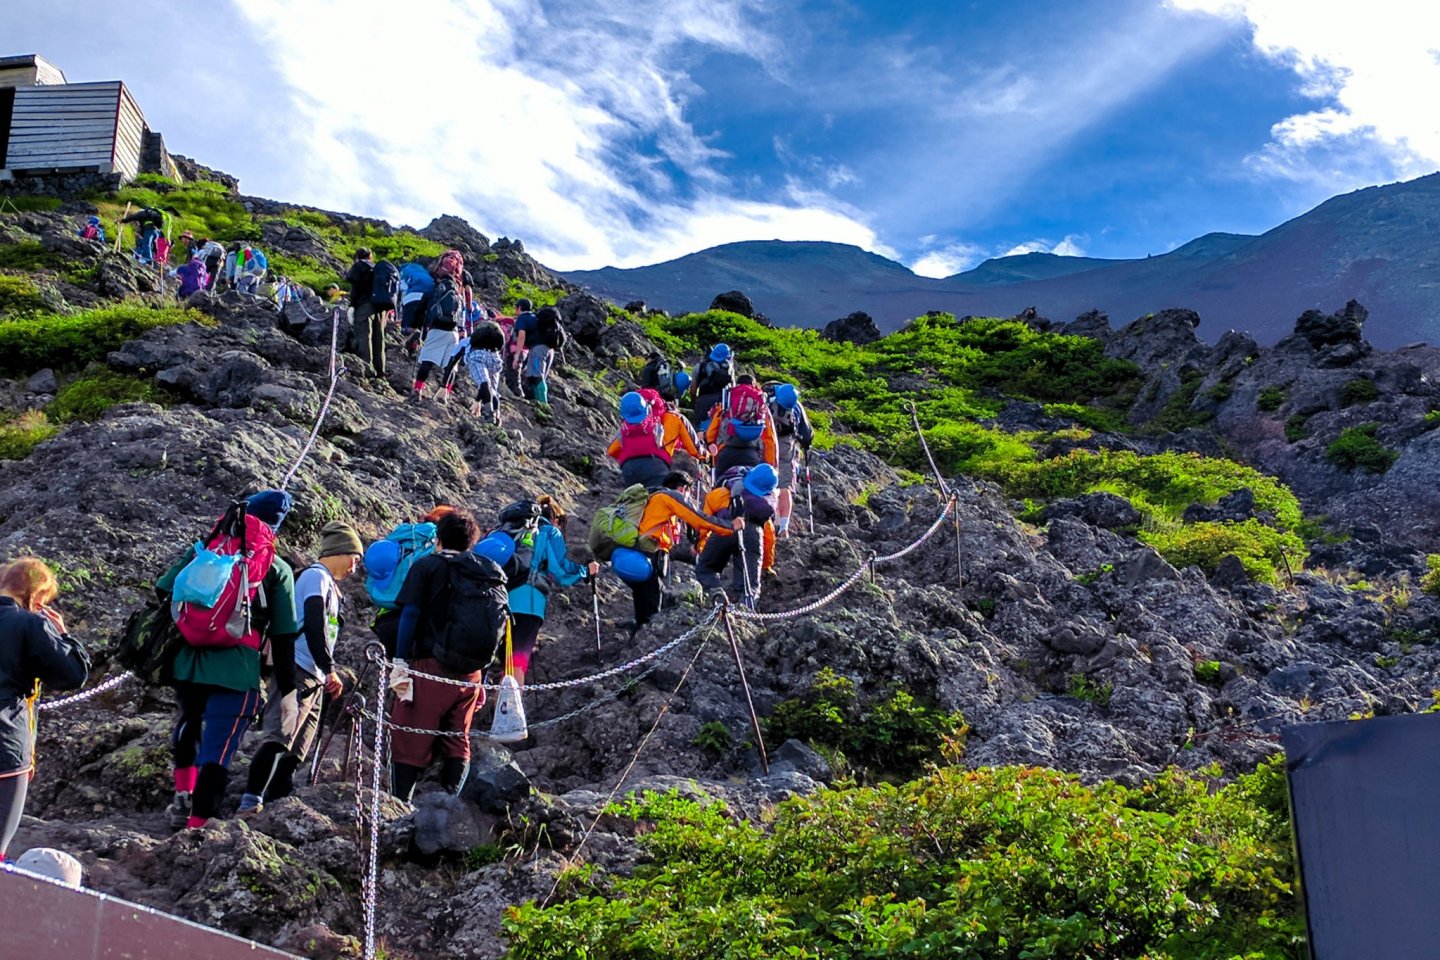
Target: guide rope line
x=337 y=370
x=370 y=890
x=75 y=698
x=924 y=445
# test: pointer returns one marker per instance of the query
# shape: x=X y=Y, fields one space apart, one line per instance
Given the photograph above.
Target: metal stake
x=745 y=685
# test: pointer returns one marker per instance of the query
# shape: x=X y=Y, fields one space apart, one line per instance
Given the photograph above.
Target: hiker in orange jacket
x=729 y=442
x=717 y=504
x=645 y=443
x=666 y=515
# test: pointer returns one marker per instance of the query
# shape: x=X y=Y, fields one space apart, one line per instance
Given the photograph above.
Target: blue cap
x=761 y=480
x=269 y=506
x=682 y=380
x=720 y=353
x=498 y=546
x=787 y=396
x=633 y=408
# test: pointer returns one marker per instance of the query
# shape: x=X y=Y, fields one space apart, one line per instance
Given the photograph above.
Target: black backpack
x=385 y=285
x=487 y=336
x=713 y=377
x=548 y=328
x=446 y=309
x=655 y=375
x=520 y=521
x=475 y=615
x=149 y=643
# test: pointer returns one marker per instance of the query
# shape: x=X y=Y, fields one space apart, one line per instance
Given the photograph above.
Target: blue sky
x=936 y=133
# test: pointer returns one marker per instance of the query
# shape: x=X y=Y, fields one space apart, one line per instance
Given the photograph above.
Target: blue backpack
x=415 y=278
x=385 y=285
x=388 y=561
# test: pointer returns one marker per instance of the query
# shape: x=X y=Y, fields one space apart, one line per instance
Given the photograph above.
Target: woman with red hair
x=34 y=650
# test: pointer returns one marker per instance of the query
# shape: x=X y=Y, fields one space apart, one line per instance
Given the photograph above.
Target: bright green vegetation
x=1083 y=688
x=1295 y=428
x=890 y=735
x=29 y=204
x=99 y=389
x=68 y=341
x=986 y=864
x=1359 y=390
x=1357 y=448
x=1430 y=582
x=30 y=256
x=206 y=209
x=1177 y=414
x=21 y=434
x=1270 y=399
x=1264 y=551
x=19 y=297
x=1431 y=420
x=517 y=289
x=305 y=271
x=1208 y=672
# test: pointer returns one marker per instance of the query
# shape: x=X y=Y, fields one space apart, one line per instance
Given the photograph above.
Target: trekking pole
x=595 y=604
x=347 y=708
x=319 y=729
x=745 y=686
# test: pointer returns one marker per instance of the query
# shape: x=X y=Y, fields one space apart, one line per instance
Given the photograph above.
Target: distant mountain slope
x=1380 y=245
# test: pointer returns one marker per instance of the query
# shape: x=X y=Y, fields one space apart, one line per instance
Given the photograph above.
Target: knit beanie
x=339 y=539
x=270 y=506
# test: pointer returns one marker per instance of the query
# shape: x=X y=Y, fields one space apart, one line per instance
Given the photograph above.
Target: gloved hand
x=289 y=713
x=401 y=683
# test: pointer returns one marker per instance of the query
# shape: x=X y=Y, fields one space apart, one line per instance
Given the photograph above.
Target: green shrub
x=1083 y=688
x=996 y=863
x=1096 y=418
x=894 y=734
x=1430 y=582
x=1359 y=390
x=305 y=271
x=29 y=256
x=1431 y=420
x=1208 y=672
x=1357 y=448
x=73 y=340
x=1221 y=392
x=1263 y=550
x=1270 y=399
x=20 y=435
x=206 y=209
x=19 y=297
x=88 y=397
x=1179 y=413
x=516 y=289
x=29 y=204
x=1296 y=428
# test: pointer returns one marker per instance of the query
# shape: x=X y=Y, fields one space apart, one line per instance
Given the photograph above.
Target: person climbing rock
x=453 y=613
x=193 y=277
x=740 y=433
x=35 y=650
x=367 y=323
x=481 y=355
x=748 y=493
x=149 y=222
x=387 y=564
x=644 y=446
x=522 y=338
x=289 y=728
x=442 y=315
x=712 y=376
x=415 y=282
x=549 y=338
x=217 y=672
x=795 y=435
x=92 y=230
x=539 y=564
x=213 y=255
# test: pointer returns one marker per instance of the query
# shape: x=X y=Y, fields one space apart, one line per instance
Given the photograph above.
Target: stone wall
x=154 y=158
x=72 y=184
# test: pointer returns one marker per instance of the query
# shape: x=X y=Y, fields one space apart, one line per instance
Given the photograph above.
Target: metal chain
x=934 y=529
x=335 y=374
x=75 y=698
x=370 y=887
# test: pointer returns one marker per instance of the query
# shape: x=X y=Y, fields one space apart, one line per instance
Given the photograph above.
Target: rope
x=75 y=698
x=336 y=372
x=924 y=445
x=370 y=887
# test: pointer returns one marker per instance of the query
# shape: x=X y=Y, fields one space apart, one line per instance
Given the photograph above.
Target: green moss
x=305 y=271
x=68 y=341
x=1431 y=420
x=1208 y=672
x=1358 y=448
x=88 y=397
x=29 y=203
x=29 y=256
x=1179 y=413
x=1296 y=428
x=1264 y=551
x=516 y=289
x=1083 y=688
x=19 y=297
x=1430 y=582
x=1358 y=390
x=21 y=434
x=1271 y=399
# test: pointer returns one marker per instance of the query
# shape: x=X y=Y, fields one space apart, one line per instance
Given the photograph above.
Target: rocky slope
x=1067 y=644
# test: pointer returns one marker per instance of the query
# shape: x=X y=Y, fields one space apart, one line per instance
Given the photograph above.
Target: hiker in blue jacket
x=550 y=566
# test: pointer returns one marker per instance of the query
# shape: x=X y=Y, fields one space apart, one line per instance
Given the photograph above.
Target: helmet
x=720 y=353
x=682 y=381
x=633 y=408
x=787 y=396
x=761 y=480
x=498 y=546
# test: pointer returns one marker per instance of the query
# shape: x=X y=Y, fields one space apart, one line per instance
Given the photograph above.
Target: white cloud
x=1374 y=67
x=562 y=122
x=1068 y=247
x=948 y=260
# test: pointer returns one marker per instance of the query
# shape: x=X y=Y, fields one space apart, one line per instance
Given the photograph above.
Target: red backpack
x=646 y=438
x=743 y=406
x=228 y=622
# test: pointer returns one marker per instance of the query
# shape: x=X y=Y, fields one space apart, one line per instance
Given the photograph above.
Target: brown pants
x=369 y=337
x=436 y=706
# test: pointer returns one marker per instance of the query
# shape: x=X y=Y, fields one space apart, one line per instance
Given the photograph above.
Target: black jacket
x=361 y=278
x=30 y=649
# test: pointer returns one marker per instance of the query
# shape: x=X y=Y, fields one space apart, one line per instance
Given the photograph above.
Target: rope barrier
x=924 y=445
x=336 y=372
x=370 y=888
x=75 y=698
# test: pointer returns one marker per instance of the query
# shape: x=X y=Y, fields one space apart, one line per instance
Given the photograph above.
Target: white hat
x=55 y=864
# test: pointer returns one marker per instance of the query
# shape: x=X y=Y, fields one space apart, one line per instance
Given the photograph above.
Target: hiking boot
x=417 y=396
x=178 y=812
x=250 y=805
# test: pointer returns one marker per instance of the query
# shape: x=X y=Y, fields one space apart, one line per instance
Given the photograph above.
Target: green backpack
x=618 y=525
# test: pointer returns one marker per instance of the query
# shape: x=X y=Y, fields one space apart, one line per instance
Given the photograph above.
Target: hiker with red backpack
x=229 y=595
x=291 y=721
x=740 y=432
x=453 y=616
x=367 y=321
x=530 y=546
x=712 y=377
x=748 y=493
x=649 y=432
x=34 y=650
x=93 y=230
x=795 y=435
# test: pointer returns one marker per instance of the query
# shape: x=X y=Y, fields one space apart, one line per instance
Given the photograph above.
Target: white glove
x=289 y=714
x=401 y=683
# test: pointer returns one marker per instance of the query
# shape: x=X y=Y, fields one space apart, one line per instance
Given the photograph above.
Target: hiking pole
x=745 y=686
x=595 y=604
x=346 y=708
x=319 y=729
x=120 y=227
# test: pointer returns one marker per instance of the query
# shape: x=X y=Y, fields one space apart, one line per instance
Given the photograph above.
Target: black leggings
x=13 y=790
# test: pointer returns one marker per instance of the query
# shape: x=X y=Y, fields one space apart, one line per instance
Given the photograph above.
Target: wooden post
x=120 y=227
x=745 y=685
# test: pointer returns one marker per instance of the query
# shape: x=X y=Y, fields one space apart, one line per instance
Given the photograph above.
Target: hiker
x=442 y=315
x=740 y=432
x=795 y=435
x=388 y=563
x=385 y=295
x=658 y=518
x=193 y=277
x=188 y=244
x=367 y=324
x=292 y=720
x=34 y=650
x=212 y=254
x=550 y=337
x=649 y=433
x=92 y=230
x=453 y=614
x=522 y=337
x=658 y=375
x=217 y=672
x=712 y=376
x=415 y=282
x=749 y=493
x=149 y=222
x=480 y=353
x=250 y=268
x=538 y=562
